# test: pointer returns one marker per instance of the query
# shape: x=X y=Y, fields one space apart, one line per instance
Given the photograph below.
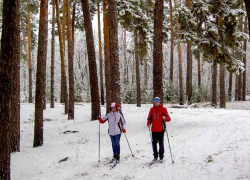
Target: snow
x=206 y=144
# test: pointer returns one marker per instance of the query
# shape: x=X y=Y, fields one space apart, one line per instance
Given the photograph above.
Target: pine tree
x=157 y=52
x=92 y=61
x=52 y=95
x=40 y=74
x=114 y=51
x=9 y=82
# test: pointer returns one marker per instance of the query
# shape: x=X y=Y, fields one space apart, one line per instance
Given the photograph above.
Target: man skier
x=157 y=117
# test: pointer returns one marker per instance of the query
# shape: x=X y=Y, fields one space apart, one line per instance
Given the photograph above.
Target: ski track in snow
x=206 y=144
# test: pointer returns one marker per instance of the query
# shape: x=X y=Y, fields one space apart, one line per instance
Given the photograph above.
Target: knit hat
x=157 y=99
x=113 y=104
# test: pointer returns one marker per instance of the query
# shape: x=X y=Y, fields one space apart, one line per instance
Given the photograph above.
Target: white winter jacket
x=116 y=123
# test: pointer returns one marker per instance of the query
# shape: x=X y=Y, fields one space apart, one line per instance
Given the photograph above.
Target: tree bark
x=230 y=86
x=157 y=49
x=244 y=61
x=214 y=85
x=222 y=87
x=172 y=43
x=9 y=83
x=189 y=65
x=100 y=54
x=92 y=61
x=40 y=75
x=52 y=96
x=106 y=55
x=137 y=67
x=247 y=4
x=29 y=59
x=125 y=57
x=199 y=79
x=180 y=63
x=114 y=51
x=64 y=93
x=70 y=62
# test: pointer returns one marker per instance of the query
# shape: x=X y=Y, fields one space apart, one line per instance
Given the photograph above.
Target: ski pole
x=99 y=143
x=169 y=145
x=129 y=145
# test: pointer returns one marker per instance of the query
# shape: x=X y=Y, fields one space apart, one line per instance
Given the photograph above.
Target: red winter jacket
x=155 y=118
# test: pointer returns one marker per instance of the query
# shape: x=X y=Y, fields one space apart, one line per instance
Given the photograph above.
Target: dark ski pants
x=116 y=144
x=158 y=137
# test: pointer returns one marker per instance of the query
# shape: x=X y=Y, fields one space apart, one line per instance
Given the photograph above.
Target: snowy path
x=206 y=144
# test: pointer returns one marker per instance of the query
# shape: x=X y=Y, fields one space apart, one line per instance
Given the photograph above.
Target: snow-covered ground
x=206 y=143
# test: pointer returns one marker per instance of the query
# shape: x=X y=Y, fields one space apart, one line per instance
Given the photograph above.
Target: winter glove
x=148 y=123
x=124 y=130
x=100 y=120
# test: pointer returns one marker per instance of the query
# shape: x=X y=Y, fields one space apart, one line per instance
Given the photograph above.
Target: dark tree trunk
x=52 y=97
x=244 y=61
x=125 y=57
x=9 y=84
x=92 y=61
x=172 y=43
x=247 y=4
x=199 y=79
x=222 y=87
x=29 y=58
x=157 y=51
x=236 y=94
x=73 y=23
x=106 y=54
x=114 y=51
x=214 y=85
x=100 y=54
x=40 y=74
x=137 y=67
x=70 y=63
x=230 y=86
x=189 y=66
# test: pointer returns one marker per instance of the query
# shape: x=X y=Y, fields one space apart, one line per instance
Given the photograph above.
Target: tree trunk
x=73 y=23
x=92 y=61
x=52 y=97
x=157 y=51
x=70 y=62
x=189 y=65
x=29 y=59
x=180 y=63
x=247 y=4
x=100 y=54
x=214 y=85
x=64 y=93
x=244 y=61
x=222 y=87
x=230 y=86
x=106 y=55
x=137 y=67
x=172 y=43
x=40 y=74
x=114 y=51
x=199 y=79
x=9 y=82
x=125 y=57
x=236 y=94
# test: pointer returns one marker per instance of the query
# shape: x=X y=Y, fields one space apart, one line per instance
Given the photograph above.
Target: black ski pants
x=158 y=137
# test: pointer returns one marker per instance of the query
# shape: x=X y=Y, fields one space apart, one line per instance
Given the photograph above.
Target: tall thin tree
x=70 y=62
x=100 y=53
x=214 y=84
x=137 y=67
x=29 y=56
x=172 y=43
x=114 y=51
x=106 y=54
x=189 y=65
x=245 y=66
x=9 y=82
x=157 y=49
x=40 y=73
x=92 y=61
x=52 y=95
